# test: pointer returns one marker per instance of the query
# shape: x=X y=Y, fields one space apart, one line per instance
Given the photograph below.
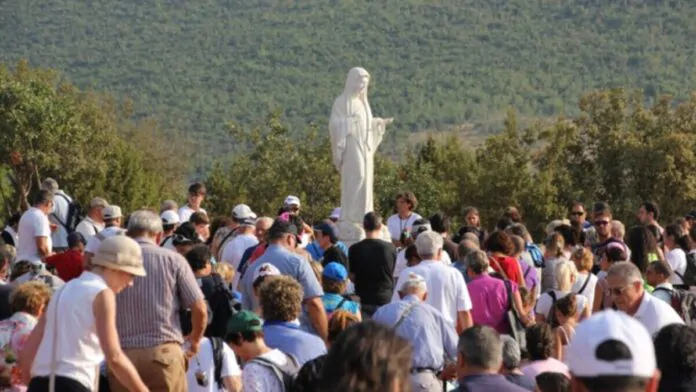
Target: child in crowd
x=566 y=314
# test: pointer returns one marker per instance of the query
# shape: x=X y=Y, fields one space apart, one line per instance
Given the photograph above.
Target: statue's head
x=357 y=81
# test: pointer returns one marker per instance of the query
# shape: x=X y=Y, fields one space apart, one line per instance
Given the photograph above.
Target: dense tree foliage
x=199 y=64
x=616 y=150
x=82 y=139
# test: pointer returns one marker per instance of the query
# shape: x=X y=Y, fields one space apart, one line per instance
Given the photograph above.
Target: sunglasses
x=601 y=223
x=578 y=213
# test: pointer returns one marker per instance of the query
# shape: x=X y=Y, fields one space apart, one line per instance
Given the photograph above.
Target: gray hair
x=467 y=247
x=565 y=272
x=266 y=219
x=145 y=221
x=478 y=261
x=168 y=205
x=627 y=271
x=43 y=197
x=428 y=243
x=49 y=184
x=512 y=356
x=98 y=202
x=473 y=238
x=518 y=229
x=480 y=346
x=413 y=284
x=618 y=229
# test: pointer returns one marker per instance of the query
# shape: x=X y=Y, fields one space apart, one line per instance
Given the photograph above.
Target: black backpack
x=75 y=214
x=684 y=303
x=689 y=276
x=286 y=373
x=217 y=359
x=222 y=305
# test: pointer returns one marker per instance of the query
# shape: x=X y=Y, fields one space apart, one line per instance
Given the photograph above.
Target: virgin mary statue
x=355 y=136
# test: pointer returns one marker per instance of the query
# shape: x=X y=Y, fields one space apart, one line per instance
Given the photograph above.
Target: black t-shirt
x=5 y=306
x=335 y=254
x=211 y=286
x=372 y=261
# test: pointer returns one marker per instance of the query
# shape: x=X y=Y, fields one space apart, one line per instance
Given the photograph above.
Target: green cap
x=244 y=321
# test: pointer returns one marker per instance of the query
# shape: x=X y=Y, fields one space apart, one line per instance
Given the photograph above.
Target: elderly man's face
x=625 y=295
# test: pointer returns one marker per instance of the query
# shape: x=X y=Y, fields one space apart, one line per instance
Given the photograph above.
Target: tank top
x=78 y=353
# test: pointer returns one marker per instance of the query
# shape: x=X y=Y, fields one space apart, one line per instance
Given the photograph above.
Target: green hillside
x=199 y=64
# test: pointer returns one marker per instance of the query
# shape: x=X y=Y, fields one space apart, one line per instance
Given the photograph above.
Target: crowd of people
x=176 y=300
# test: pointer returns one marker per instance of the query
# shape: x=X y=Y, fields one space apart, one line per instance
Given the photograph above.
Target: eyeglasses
x=577 y=213
x=601 y=223
x=617 y=291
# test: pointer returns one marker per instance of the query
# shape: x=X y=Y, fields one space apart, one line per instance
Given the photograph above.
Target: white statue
x=355 y=136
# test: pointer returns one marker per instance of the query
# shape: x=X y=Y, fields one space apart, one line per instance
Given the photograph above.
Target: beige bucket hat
x=120 y=253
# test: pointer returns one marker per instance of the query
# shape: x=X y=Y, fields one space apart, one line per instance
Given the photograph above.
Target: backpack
x=329 y=313
x=689 y=276
x=684 y=303
x=222 y=304
x=286 y=373
x=535 y=252
x=217 y=360
x=75 y=214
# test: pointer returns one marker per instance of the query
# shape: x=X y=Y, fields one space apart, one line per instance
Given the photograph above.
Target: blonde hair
x=583 y=259
x=225 y=271
x=565 y=272
x=30 y=297
x=618 y=230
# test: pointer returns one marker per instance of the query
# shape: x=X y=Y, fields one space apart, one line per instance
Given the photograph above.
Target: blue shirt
x=289 y=264
x=431 y=336
x=288 y=338
x=332 y=300
x=488 y=382
x=317 y=252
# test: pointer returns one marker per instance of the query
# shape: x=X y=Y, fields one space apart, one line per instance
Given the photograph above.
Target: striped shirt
x=148 y=313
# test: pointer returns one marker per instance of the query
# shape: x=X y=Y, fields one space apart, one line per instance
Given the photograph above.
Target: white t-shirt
x=89 y=228
x=205 y=362
x=676 y=258
x=94 y=242
x=401 y=261
x=259 y=378
x=589 y=290
x=447 y=290
x=34 y=223
x=397 y=225
x=234 y=250
x=169 y=244
x=655 y=314
x=60 y=214
x=185 y=213
x=543 y=306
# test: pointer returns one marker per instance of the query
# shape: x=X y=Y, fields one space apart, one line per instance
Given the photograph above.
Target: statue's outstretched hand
x=388 y=121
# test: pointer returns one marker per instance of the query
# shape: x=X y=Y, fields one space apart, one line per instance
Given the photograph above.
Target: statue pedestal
x=349 y=233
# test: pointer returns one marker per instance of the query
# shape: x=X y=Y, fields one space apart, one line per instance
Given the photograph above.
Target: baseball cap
x=243 y=212
x=266 y=269
x=244 y=321
x=586 y=358
x=420 y=226
x=328 y=230
x=335 y=271
x=120 y=253
x=186 y=235
x=336 y=213
x=292 y=200
x=413 y=280
x=98 y=202
x=170 y=217
x=112 y=212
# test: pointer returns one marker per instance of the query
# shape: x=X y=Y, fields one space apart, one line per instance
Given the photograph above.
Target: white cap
x=266 y=269
x=243 y=211
x=413 y=281
x=112 y=212
x=581 y=354
x=292 y=200
x=336 y=213
x=170 y=217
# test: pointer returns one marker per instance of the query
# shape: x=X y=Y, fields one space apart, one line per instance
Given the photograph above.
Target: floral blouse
x=14 y=333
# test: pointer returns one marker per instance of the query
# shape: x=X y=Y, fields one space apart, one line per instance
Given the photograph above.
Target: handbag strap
x=52 y=377
x=405 y=314
x=500 y=267
x=584 y=285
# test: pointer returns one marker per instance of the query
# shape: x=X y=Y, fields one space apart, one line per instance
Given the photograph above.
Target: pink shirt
x=489 y=302
x=547 y=365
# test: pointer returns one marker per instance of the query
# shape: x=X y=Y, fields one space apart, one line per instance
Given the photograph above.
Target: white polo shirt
x=447 y=290
x=655 y=314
